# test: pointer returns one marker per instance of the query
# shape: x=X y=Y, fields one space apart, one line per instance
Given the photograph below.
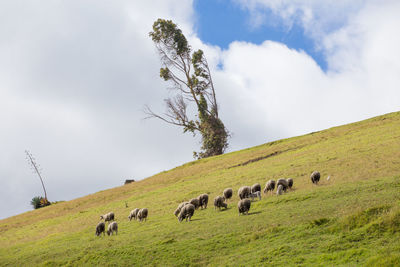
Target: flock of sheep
x=185 y=210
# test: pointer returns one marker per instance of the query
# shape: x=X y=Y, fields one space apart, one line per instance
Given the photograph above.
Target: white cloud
x=288 y=92
x=74 y=77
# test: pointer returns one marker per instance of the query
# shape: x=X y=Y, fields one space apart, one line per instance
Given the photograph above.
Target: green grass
x=351 y=220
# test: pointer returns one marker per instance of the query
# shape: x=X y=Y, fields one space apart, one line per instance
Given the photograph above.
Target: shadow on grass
x=193 y=220
x=253 y=213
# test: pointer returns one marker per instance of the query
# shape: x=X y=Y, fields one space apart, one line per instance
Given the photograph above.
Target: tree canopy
x=190 y=79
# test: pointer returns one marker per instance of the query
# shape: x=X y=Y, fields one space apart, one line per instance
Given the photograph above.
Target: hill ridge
x=349 y=220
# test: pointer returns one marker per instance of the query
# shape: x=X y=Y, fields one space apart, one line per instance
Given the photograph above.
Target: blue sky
x=222 y=22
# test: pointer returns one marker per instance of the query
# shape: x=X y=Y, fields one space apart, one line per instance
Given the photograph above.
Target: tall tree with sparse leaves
x=190 y=78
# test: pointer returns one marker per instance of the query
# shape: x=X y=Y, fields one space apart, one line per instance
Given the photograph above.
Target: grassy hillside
x=352 y=219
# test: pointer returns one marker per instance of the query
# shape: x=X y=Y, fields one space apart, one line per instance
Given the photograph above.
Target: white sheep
x=255 y=187
x=269 y=186
x=186 y=212
x=244 y=192
x=255 y=194
x=112 y=227
x=219 y=202
x=133 y=214
x=279 y=190
x=142 y=214
x=107 y=217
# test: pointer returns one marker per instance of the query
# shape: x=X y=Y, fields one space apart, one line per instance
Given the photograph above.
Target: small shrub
x=39 y=202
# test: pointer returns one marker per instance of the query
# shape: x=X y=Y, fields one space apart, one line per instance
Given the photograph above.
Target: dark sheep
x=228 y=192
x=186 y=212
x=203 y=200
x=244 y=192
x=219 y=202
x=195 y=202
x=107 y=217
x=269 y=186
x=100 y=228
x=244 y=206
x=284 y=184
x=133 y=214
x=315 y=176
x=142 y=214
x=112 y=227
x=255 y=187
x=290 y=182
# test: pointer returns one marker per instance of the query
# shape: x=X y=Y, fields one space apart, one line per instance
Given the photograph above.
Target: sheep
x=107 y=217
x=203 y=200
x=315 y=177
x=290 y=182
x=142 y=214
x=133 y=214
x=112 y=227
x=244 y=192
x=186 y=212
x=180 y=206
x=219 y=202
x=284 y=184
x=255 y=194
x=195 y=202
x=100 y=228
x=176 y=212
x=279 y=190
x=269 y=186
x=255 y=187
x=244 y=206
x=228 y=192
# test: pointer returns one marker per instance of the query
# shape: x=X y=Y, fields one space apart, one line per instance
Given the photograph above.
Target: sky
x=75 y=76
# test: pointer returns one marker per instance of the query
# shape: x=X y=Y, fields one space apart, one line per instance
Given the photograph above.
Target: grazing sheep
x=180 y=206
x=107 y=217
x=315 y=176
x=195 y=202
x=112 y=227
x=219 y=202
x=228 y=192
x=279 y=190
x=186 y=212
x=244 y=206
x=255 y=194
x=142 y=214
x=290 y=182
x=284 y=184
x=203 y=200
x=255 y=187
x=269 y=186
x=133 y=214
x=244 y=192
x=176 y=212
x=100 y=228
x=183 y=204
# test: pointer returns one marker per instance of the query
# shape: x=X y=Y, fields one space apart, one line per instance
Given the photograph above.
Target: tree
x=35 y=167
x=190 y=78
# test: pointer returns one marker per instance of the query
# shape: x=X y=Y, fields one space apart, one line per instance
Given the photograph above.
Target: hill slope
x=352 y=219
